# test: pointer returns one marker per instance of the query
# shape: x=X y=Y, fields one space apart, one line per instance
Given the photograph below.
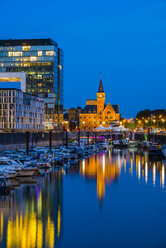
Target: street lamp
x=83 y=124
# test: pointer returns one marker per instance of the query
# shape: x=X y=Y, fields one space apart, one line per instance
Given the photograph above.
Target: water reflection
x=106 y=168
x=163 y=176
x=33 y=215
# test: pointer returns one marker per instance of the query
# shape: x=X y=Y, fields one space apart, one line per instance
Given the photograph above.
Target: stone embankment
x=19 y=140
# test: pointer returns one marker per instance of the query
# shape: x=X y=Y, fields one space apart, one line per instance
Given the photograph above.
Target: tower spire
x=100 y=75
x=101 y=89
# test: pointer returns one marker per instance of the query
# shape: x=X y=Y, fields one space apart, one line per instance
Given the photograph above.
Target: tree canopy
x=150 y=113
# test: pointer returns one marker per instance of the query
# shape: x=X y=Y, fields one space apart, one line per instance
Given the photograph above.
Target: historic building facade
x=69 y=119
x=97 y=113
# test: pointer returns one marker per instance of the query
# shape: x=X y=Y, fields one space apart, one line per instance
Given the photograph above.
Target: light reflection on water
x=103 y=168
x=106 y=168
x=33 y=216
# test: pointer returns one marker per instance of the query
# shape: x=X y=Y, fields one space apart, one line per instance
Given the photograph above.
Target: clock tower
x=100 y=98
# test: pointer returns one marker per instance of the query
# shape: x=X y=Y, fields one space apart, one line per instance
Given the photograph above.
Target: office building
x=42 y=61
x=20 y=111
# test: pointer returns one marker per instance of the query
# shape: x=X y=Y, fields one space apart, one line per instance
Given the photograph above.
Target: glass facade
x=42 y=61
x=59 y=88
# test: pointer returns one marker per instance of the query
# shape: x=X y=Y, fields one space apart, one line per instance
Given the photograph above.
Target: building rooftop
x=90 y=108
x=28 y=42
x=93 y=108
x=116 y=108
x=13 y=80
x=22 y=92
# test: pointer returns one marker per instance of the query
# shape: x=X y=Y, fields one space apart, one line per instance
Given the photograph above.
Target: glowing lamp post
x=83 y=125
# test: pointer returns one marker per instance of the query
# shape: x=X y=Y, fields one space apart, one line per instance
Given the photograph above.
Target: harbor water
x=112 y=199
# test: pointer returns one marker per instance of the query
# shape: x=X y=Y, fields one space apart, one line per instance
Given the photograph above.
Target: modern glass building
x=42 y=61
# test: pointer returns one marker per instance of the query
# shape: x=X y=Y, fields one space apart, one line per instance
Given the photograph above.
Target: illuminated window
x=60 y=67
x=50 y=53
x=39 y=84
x=14 y=54
x=40 y=53
x=39 y=76
x=26 y=64
x=33 y=58
x=26 y=59
x=26 y=48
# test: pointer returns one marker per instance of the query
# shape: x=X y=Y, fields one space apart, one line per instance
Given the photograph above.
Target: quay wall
x=156 y=138
x=9 y=141
x=19 y=140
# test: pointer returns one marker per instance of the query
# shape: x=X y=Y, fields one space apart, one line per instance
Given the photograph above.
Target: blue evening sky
x=123 y=39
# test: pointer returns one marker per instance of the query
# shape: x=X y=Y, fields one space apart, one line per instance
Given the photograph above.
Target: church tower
x=100 y=98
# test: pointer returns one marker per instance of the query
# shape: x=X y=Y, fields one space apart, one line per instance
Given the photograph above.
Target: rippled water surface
x=112 y=199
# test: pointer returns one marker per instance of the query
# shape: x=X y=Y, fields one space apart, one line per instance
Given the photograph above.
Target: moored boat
x=155 y=153
x=163 y=149
x=123 y=143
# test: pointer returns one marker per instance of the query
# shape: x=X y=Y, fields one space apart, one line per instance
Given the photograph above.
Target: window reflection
x=34 y=217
